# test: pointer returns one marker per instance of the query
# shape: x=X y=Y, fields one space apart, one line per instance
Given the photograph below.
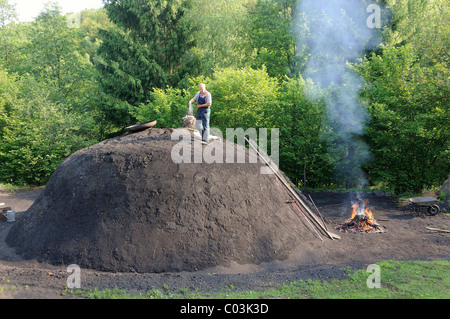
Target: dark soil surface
x=124 y=205
x=405 y=238
x=245 y=266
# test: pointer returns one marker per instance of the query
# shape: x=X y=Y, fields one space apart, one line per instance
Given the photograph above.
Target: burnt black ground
x=125 y=205
x=42 y=274
x=405 y=239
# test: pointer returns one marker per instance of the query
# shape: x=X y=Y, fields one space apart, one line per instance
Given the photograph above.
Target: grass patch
x=405 y=280
x=11 y=188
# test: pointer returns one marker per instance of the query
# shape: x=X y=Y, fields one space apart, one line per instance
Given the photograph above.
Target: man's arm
x=195 y=99
x=204 y=105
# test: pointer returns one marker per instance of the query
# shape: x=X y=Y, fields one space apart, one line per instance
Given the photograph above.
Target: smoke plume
x=336 y=32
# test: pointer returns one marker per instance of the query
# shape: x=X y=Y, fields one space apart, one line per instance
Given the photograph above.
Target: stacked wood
x=362 y=220
x=361 y=224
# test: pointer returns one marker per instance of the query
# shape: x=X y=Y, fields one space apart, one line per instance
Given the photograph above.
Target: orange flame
x=363 y=220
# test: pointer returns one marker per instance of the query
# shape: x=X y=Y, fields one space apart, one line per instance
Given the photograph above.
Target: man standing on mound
x=204 y=102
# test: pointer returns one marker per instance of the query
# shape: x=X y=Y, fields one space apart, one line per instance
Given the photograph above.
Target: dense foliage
x=65 y=85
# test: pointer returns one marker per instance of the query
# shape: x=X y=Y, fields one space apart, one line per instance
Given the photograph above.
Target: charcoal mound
x=124 y=205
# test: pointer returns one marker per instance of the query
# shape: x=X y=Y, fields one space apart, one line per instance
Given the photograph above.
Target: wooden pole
x=301 y=212
x=438 y=230
x=299 y=200
x=318 y=212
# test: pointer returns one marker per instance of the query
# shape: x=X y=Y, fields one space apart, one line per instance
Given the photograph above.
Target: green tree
x=407 y=89
x=8 y=96
x=273 y=37
x=12 y=36
x=221 y=31
x=7 y=13
x=423 y=24
x=409 y=133
x=168 y=106
x=8 y=17
x=57 y=56
x=38 y=134
x=242 y=98
x=46 y=98
x=143 y=50
x=304 y=134
x=53 y=53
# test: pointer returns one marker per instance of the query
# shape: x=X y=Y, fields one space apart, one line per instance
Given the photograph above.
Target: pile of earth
x=125 y=205
x=444 y=189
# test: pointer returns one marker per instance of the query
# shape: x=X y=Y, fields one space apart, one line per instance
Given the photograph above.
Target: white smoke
x=337 y=32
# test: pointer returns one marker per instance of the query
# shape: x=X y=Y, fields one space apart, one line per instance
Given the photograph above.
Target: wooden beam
x=299 y=200
x=438 y=230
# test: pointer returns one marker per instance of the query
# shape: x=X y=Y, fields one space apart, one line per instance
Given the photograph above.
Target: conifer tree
x=144 y=49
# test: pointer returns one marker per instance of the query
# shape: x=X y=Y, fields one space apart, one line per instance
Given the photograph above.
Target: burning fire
x=362 y=219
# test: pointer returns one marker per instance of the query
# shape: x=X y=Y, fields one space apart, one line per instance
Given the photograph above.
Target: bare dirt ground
x=405 y=238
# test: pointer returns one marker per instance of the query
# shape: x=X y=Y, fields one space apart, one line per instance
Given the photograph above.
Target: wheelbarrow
x=426 y=203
